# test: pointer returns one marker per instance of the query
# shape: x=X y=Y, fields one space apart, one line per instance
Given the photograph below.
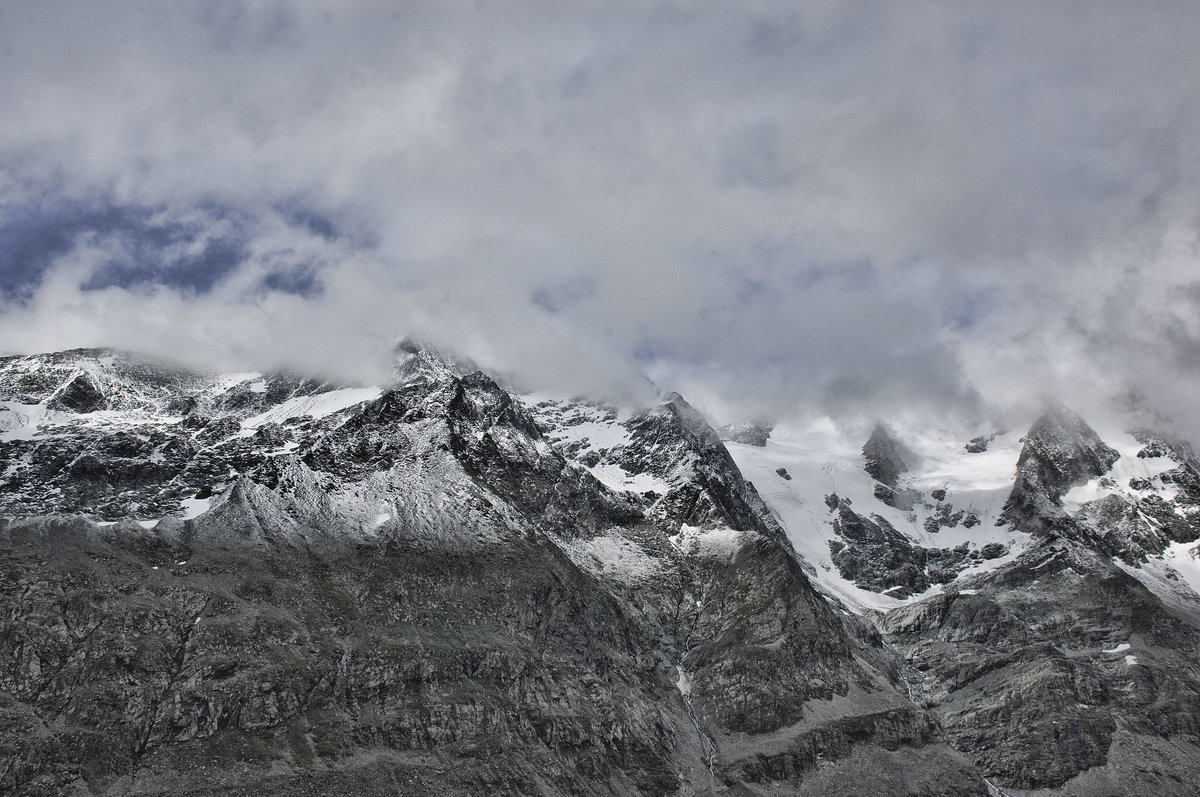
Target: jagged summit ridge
x=443 y=586
x=1061 y=451
x=415 y=359
x=419 y=572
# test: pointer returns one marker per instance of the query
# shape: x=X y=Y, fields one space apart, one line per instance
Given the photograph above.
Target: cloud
x=847 y=206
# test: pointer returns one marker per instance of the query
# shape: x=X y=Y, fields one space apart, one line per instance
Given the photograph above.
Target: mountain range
x=269 y=583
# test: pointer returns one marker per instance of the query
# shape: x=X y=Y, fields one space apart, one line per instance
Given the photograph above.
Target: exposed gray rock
x=1030 y=676
x=410 y=600
x=884 y=456
x=904 y=499
x=993 y=550
x=746 y=432
x=431 y=591
x=79 y=395
x=1155 y=447
x=1060 y=452
x=870 y=552
x=977 y=445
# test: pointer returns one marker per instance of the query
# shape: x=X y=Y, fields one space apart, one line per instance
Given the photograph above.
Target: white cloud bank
x=775 y=204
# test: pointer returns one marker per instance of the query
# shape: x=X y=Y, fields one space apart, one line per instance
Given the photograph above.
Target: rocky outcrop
x=746 y=432
x=870 y=552
x=80 y=395
x=171 y=434
x=977 y=445
x=1060 y=452
x=437 y=587
x=884 y=456
x=1038 y=668
x=670 y=445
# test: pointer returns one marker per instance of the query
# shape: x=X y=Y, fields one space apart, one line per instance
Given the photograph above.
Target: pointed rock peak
x=418 y=361
x=691 y=420
x=886 y=458
x=1060 y=452
x=81 y=394
x=1060 y=430
x=679 y=404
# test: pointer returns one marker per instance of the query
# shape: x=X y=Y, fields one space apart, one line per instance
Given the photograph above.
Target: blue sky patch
x=143 y=246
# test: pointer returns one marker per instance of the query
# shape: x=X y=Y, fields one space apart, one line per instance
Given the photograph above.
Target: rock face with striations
x=1060 y=452
x=1073 y=667
x=271 y=584
x=267 y=584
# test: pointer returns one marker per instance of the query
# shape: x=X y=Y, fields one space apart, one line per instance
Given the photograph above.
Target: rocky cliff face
x=1037 y=594
x=1061 y=451
x=261 y=583
x=884 y=456
x=272 y=584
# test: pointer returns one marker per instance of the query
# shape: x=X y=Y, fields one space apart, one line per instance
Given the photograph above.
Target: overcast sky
x=848 y=205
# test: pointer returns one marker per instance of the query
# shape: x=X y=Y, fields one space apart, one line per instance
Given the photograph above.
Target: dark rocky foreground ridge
x=426 y=589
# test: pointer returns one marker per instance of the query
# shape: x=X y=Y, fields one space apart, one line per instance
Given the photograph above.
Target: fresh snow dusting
x=1127 y=467
x=1184 y=559
x=226 y=381
x=192 y=508
x=822 y=460
x=617 y=478
x=1173 y=577
x=613 y=556
x=589 y=427
x=23 y=421
x=318 y=405
x=1121 y=648
x=693 y=541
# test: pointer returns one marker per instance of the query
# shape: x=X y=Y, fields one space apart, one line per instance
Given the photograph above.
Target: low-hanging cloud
x=848 y=206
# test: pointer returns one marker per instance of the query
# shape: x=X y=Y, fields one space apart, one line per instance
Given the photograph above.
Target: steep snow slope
x=825 y=468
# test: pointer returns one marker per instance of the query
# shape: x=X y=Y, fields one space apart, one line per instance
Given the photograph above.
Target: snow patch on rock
x=717 y=543
x=318 y=405
x=826 y=460
x=1129 y=467
x=613 y=556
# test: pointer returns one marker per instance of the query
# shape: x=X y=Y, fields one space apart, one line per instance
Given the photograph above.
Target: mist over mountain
x=828 y=206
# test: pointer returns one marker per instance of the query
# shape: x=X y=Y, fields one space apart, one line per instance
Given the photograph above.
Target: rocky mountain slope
x=1039 y=589
x=265 y=583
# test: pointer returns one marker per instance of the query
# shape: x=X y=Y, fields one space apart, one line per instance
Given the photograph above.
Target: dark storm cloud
x=777 y=203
